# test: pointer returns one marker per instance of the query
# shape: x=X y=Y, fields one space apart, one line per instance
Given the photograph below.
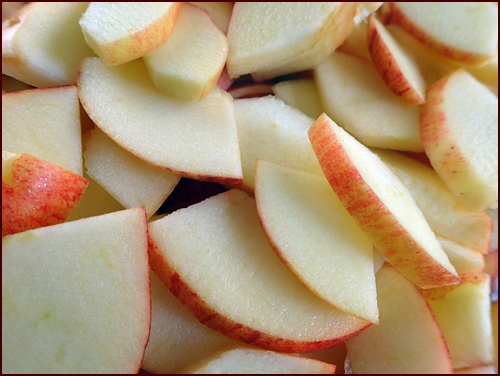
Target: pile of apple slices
x=249 y=187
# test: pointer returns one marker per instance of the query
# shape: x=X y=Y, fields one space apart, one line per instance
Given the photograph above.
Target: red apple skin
x=387 y=235
x=198 y=307
x=38 y=194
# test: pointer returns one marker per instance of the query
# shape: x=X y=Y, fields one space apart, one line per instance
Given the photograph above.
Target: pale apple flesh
x=36 y=193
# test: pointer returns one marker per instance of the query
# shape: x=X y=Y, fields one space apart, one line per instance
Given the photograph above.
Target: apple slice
x=408 y=338
x=258 y=361
x=459 y=130
x=356 y=43
x=42 y=44
x=395 y=64
x=468 y=35
x=216 y=259
x=44 y=123
x=250 y=90
x=130 y=179
x=300 y=93
x=316 y=238
x=463 y=313
x=463 y=258
x=270 y=129
x=36 y=193
x=444 y=213
x=177 y=339
x=220 y=12
x=76 y=296
x=120 y=32
x=261 y=39
x=196 y=139
x=381 y=205
x=189 y=63
x=354 y=95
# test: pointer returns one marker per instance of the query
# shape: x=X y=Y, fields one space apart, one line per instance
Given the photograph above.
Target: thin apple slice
x=468 y=35
x=300 y=93
x=316 y=238
x=459 y=131
x=381 y=205
x=270 y=129
x=120 y=32
x=355 y=96
x=257 y=361
x=189 y=63
x=44 y=123
x=463 y=313
x=177 y=339
x=42 y=44
x=442 y=210
x=216 y=259
x=395 y=64
x=76 y=296
x=408 y=338
x=131 y=180
x=196 y=139
x=463 y=258
x=220 y=12
x=26 y=202
x=356 y=43
x=260 y=38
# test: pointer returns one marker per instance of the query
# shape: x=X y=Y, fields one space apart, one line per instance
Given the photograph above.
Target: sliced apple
x=445 y=214
x=36 y=193
x=258 y=361
x=381 y=205
x=189 y=63
x=196 y=139
x=131 y=180
x=463 y=258
x=408 y=338
x=261 y=39
x=463 y=313
x=76 y=296
x=396 y=66
x=300 y=93
x=333 y=355
x=42 y=44
x=250 y=90
x=177 y=339
x=316 y=238
x=44 y=123
x=354 y=95
x=459 y=131
x=220 y=12
x=270 y=129
x=468 y=34
x=216 y=259
x=356 y=43
x=120 y=32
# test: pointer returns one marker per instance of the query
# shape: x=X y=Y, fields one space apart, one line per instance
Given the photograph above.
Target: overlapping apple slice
x=76 y=296
x=381 y=205
x=316 y=238
x=196 y=139
x=216 y=259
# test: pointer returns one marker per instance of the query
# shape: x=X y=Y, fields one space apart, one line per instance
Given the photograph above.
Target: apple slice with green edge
x=395 y=64
x=189 y=63
x=36 y=193
x=442 y=210
x=270 y=129
x=215 y=258
x=463 y=313
x=195 y=139
x=468 y=34
x=300 y=93
x=42 y=43
x=177 y=339
x=354 y=95
x=381 y=205
x=44 y=123
x=131 y=180
x=316 y=238
x=76 y=296
x=459 y=131
x=257 y=361
x=408 y=338
x=119 y=32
